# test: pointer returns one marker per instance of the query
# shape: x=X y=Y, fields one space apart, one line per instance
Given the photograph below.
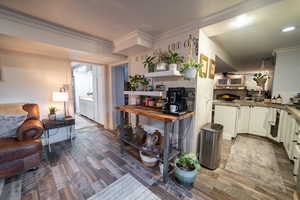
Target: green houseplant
x=149 y=63
x=186 y=168
x=52 y=113
x=191 y=68
x=138 y=82
x=173 y=60
x=162 y=62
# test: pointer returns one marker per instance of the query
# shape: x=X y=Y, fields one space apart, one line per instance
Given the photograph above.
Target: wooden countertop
x=153 y=113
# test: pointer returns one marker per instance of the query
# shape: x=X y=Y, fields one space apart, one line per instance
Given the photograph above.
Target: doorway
x=88 y=87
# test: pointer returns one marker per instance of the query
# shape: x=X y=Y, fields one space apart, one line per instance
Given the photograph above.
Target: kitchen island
x=169 y=152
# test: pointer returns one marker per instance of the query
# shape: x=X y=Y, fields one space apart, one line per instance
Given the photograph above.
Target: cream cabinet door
x=227 y=116
x=258 y=119
x=243 y=119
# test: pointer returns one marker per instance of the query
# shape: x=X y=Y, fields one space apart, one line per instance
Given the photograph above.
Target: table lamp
x=61 y=96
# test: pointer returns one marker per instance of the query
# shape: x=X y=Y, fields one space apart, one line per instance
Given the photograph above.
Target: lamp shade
x=60 y=96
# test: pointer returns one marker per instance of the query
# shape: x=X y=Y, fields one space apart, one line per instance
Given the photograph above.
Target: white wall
x=287 y=74
x=31 y=78
x=211 y=49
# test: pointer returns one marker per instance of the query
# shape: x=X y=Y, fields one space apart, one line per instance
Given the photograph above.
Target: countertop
x=153 y=113
x=291 y=109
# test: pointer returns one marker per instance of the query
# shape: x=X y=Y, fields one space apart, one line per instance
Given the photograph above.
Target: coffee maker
x=176 y=101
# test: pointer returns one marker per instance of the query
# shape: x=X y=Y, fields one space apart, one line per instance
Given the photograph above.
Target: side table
x=56 y=124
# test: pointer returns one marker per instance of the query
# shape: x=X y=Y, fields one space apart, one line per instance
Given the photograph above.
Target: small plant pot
x=173 y=67
x=52 y=116
x=190 y=73
x=147 y=160
x=161 y=67
x=139 y=87
x=185 y=177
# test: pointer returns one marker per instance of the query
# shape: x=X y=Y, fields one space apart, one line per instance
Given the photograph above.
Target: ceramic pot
x=190 y=73
x=173 y=67
x=140 y=135
x=139 y=87
x=162 y=67
x=185 y=177
x=147 y=160
x=52 y=116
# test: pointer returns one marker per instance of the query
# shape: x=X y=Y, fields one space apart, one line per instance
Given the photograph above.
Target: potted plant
x=260 y=80
x=191 y=68
x=173 y=60
x=52 y=113
x=162 y=63
x=149 y=63
x=186 y=168
x=145 y=82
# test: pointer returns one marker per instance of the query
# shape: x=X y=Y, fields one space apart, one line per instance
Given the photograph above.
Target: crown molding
x=133 y=42
x=24 y=19
x=288 y=49
x=243 y=7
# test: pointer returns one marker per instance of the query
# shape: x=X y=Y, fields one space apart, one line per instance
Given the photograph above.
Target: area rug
x=255 y=158
x=125 y=188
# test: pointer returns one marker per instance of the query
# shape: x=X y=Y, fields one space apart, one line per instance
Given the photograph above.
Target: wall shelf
x=145 y=93
x=163 y=74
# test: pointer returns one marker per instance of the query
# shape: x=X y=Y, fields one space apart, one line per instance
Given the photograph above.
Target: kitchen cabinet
x=257 y=122
x=252 y=120
x=87 y=107
x=227 y=116
x=244 y=118
x=296 y=159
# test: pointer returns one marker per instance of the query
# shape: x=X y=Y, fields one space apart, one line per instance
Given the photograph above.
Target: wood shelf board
x=145 y=93
x=173 y=154
x=163 y=74
x=153 y=113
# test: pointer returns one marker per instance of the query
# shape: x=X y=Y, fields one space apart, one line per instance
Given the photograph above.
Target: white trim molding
x=284 y=50
x=133 y=42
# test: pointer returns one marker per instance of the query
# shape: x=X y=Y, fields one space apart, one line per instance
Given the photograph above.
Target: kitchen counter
x=295 y=112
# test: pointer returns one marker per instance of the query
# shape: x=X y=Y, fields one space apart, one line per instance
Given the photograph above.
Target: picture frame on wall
x=212 y=69
x=204 y=60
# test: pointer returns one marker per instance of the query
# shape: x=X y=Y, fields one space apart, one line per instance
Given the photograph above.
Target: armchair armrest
x=29 y=130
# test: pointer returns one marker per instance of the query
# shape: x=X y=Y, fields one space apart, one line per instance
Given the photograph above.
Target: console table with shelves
x=169 y=152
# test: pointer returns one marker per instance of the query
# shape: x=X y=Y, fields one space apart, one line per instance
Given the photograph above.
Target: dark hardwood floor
x=93 y=161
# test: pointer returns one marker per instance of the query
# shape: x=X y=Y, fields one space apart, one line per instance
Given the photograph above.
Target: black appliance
x=179 y=101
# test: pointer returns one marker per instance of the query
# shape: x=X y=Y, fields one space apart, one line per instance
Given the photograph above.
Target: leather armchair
x=25 y=151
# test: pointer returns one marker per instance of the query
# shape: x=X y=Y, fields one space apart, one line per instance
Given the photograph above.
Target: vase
x=185 y=177
x=173 y=67
x=161 y=67
x=52 y=116
x=190 y=73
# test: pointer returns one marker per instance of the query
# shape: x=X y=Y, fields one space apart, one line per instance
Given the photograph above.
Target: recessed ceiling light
x=288 y=29
x=241 y=21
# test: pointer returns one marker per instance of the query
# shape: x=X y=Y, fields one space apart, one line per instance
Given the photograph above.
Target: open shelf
x=145 y=93
x=173 y=154
x=163 y=74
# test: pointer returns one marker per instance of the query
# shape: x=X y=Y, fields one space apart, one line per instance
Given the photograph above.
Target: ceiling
x=249 y=44
x=112 y=19
x=27 y=46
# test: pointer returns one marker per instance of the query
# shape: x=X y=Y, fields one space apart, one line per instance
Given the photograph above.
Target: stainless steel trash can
x=210 y=145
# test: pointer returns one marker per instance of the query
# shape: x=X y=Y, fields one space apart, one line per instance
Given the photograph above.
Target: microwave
x=231 y=82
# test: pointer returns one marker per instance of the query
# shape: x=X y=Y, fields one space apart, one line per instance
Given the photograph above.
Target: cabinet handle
x=294 y=140
x=298 y=143
x=295 y=158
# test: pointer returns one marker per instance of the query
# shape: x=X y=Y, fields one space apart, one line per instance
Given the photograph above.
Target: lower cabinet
x=227 y=116
x=258 y=121
x=252 y=120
